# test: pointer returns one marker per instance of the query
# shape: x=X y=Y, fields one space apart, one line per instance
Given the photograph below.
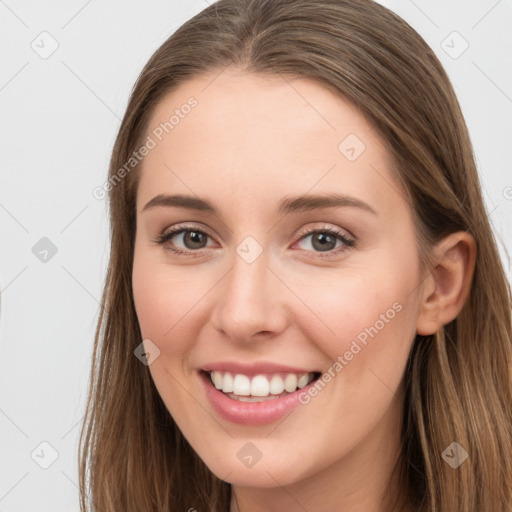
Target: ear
x=447 y=286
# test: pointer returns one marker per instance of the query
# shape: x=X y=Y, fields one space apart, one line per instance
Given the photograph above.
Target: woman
x=304 y=308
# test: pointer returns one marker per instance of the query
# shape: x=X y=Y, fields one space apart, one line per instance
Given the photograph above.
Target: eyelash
x=349 y=243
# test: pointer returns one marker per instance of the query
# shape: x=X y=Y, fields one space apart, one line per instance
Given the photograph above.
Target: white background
x=59 y=118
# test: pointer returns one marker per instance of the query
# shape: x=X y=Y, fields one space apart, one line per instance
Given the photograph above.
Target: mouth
x=261 y=387
x=255 y=398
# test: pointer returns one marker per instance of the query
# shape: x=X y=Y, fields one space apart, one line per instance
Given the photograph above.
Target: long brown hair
x=458 y=384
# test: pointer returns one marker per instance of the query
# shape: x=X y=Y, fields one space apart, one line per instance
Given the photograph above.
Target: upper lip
x=253 y=368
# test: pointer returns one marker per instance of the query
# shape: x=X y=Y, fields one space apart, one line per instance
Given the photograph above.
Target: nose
x=250 y=301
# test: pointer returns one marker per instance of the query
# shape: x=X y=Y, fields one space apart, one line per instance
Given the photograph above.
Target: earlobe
x=447 y=286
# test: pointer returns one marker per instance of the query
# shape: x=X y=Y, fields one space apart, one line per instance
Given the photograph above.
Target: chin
x=264 y=473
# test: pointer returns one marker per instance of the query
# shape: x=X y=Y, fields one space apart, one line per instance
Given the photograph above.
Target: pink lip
x=251 y=413
x=254 y=368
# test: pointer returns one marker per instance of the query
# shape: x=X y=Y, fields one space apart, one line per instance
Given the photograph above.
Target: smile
x=260 y=387
x=255 y=398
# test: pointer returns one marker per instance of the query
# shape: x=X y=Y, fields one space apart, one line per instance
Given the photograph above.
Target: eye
x=325 y=240
x=192 y=238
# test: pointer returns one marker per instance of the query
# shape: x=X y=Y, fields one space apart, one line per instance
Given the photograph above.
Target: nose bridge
x=249 y=301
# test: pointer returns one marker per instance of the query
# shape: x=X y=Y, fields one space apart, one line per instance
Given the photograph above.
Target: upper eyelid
x=175 y=230
x=339 y=231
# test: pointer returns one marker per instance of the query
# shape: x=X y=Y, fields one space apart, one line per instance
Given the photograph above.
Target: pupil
x=324 y=239
x=194 y=237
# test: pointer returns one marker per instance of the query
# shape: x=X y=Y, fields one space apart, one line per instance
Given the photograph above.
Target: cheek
x=365 y=320
x=163 y=296
x=151 y=302
x=161 y=303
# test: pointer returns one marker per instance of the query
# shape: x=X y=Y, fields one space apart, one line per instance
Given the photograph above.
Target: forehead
x=260 y=133
x=269 y=105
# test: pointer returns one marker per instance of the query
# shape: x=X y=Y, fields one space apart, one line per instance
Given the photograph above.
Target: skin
x=249 y=142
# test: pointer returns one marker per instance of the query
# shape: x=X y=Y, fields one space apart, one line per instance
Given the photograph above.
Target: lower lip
x=251 y=413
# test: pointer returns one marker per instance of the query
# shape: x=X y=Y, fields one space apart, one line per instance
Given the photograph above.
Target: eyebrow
x=288 y=204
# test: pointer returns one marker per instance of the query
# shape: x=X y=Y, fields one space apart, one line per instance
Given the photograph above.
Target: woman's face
x=261 y=292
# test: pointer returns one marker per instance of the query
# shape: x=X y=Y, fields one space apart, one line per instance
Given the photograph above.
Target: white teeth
x=227 y=385
x=260 y=386
x=217 y=379
x=290 y=383
x=303 y=380
x=276 y=385
x=241 y=385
